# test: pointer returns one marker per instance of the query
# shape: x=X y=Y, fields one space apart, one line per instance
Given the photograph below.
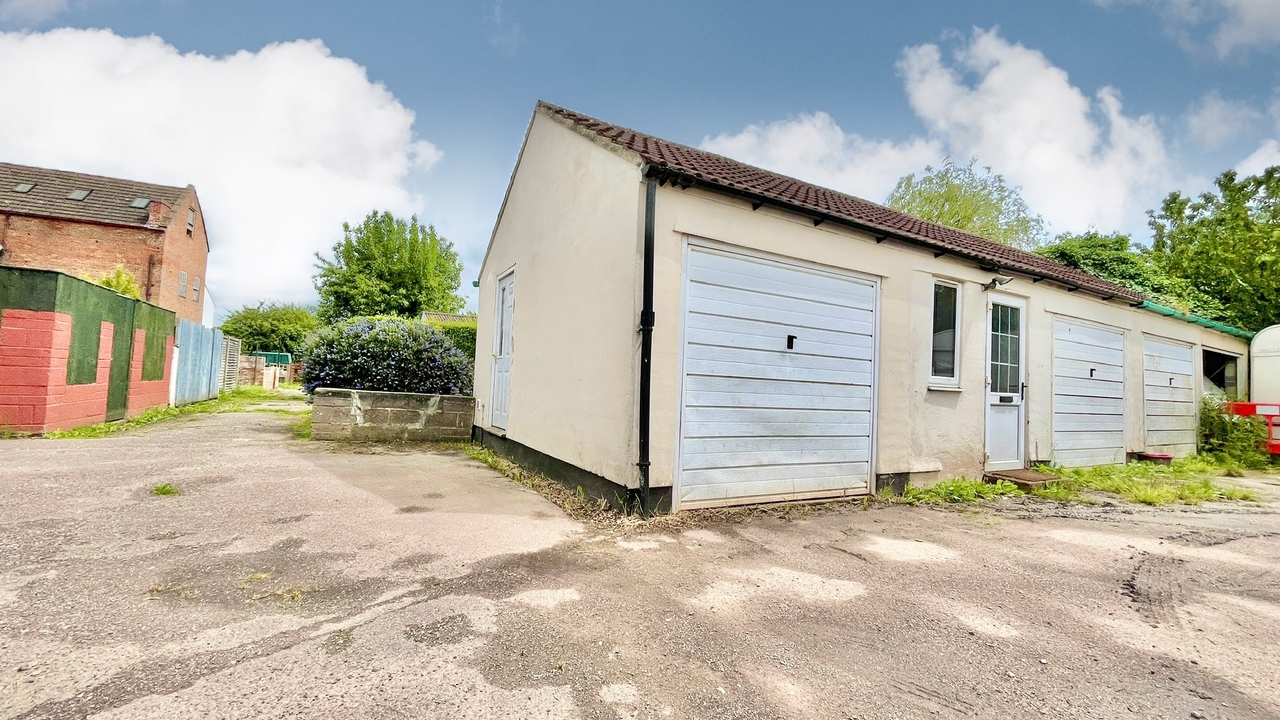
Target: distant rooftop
x=66 y=195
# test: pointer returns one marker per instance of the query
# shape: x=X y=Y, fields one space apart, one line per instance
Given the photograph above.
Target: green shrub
x=385 y=353
x=959 y=490
x=1231 y=439
x=462 y=334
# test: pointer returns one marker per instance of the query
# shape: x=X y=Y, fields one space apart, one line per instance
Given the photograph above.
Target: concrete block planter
x=370 y=415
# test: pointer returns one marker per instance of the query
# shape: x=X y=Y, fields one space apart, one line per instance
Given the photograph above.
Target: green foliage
x=1232 y=440
x=166 y=489
x=1114 y=257
x=387 y=266
x=961 y=197
x=271 y=327
x=1188 y=481
x=1227 y=245
x=122 y=281
x=461 y=333
x=385 y=353
x=959 y=490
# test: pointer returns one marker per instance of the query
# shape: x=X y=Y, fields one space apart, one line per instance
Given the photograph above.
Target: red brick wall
x=34 y=395
x=89 y=250
x=183 y=253
x=82 y=249
x=146 y=394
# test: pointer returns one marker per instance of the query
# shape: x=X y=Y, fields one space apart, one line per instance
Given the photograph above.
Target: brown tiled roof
x=108 y=201
x=718 y=172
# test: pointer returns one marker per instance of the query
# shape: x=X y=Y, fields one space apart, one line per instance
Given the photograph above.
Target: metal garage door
x=1169 y=397
x=779 y=366
x=1088 y=394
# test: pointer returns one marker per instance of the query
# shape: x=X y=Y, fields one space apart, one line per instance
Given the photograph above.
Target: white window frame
x=195 y=289
x=943 y=382
x=182 y=283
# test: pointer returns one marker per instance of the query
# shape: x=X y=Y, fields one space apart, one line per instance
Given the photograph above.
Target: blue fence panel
x=199 y=370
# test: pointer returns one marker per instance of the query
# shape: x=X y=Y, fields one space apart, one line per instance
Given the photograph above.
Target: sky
x=291 y=117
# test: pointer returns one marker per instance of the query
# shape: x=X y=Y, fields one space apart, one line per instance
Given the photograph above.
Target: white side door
x=1006 y=375
x=500 y=398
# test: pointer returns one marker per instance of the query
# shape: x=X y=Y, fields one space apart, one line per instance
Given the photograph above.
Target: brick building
x=85 y=225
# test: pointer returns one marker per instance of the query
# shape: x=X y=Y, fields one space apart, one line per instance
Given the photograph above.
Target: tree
x=1114 y=257
x=122 y=281
x=1226 y=244
x=271 y=327
x=386 y=266
x=961 y=197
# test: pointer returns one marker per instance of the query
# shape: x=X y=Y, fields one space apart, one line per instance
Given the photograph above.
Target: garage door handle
x=791 y=342
x=1170 y=382
x=1092 y=371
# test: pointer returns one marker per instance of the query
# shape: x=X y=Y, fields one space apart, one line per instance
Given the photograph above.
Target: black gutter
x=646 y=342
x=684 y=180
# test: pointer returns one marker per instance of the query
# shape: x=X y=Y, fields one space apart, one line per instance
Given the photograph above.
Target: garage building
x=672 y=327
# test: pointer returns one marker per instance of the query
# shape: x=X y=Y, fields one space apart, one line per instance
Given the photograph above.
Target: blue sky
x=1097 y=108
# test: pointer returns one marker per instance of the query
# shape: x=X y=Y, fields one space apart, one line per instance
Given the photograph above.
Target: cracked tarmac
x=296 y=580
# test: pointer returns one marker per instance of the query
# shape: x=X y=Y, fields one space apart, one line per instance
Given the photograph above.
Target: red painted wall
x=34 y=395
x=146 y=394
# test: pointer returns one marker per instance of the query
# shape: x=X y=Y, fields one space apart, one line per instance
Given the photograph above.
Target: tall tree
x=271 y=327
x=387 y=266
x=1226 y=244
x=961 y=197
x=1116 y=258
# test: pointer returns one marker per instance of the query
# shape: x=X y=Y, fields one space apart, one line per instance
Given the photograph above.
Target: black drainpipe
x=646 y=342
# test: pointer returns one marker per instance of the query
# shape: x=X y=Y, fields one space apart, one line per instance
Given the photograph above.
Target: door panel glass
x=1006 y=350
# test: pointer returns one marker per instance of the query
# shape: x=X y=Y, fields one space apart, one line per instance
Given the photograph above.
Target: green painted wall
x=89 y=305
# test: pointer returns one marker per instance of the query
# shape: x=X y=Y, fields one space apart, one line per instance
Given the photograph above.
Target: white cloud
x=1080 y=161
x=814 y=148
x=283 y=144
x=504 y=34
x=1267 y=155
x=1214 y=121
x=1232 y=25
x=30 y=11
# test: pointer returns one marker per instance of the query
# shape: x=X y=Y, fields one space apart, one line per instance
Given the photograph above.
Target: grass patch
x=1186 y=481
x=300 y=429
x=959 y=490
x=234 y=401
x=166 y=489
x=1059 y=491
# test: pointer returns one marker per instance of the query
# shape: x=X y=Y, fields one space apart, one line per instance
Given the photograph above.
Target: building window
x=945 y=366
x=195 y=288
x=78 y=194
x=1220 y=374
x=191 y=221
x=182 y=284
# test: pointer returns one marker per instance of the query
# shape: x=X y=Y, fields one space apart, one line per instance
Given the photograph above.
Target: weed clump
x=166 y=489
x=959 y=490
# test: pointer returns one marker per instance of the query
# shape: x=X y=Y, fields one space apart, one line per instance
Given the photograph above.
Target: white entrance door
x=779 y=365
x=500 y=398
x=1006 y=373
x=1088 y=394
x=1169 y=397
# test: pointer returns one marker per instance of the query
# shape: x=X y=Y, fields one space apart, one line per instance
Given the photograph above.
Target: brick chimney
x=158 y=211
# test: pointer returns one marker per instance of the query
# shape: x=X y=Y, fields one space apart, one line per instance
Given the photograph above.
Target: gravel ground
x=298 y=580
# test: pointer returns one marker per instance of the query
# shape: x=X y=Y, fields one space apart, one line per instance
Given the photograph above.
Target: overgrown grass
x=233 y=401
x=166 y=489
x=1187 y=481
x=959 y=490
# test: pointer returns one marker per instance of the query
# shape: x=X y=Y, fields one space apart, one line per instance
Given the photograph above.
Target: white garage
x=1169 y=396
x=1088 y=394
x=778 y=383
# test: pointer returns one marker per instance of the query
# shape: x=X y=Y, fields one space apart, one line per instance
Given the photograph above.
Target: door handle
x=791 y=342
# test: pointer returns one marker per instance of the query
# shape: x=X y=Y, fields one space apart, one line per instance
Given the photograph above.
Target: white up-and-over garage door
x=779 y=366
x=1169 y=396
x=1088 y=394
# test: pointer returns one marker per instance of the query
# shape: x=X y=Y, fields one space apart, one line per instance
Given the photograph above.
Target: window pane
x=944 y=331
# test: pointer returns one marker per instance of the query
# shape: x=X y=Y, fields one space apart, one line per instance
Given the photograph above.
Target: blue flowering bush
x=385 y=353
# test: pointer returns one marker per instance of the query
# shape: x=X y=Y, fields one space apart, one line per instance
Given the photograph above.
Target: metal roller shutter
x=1169 y=397
x=1088 y=394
